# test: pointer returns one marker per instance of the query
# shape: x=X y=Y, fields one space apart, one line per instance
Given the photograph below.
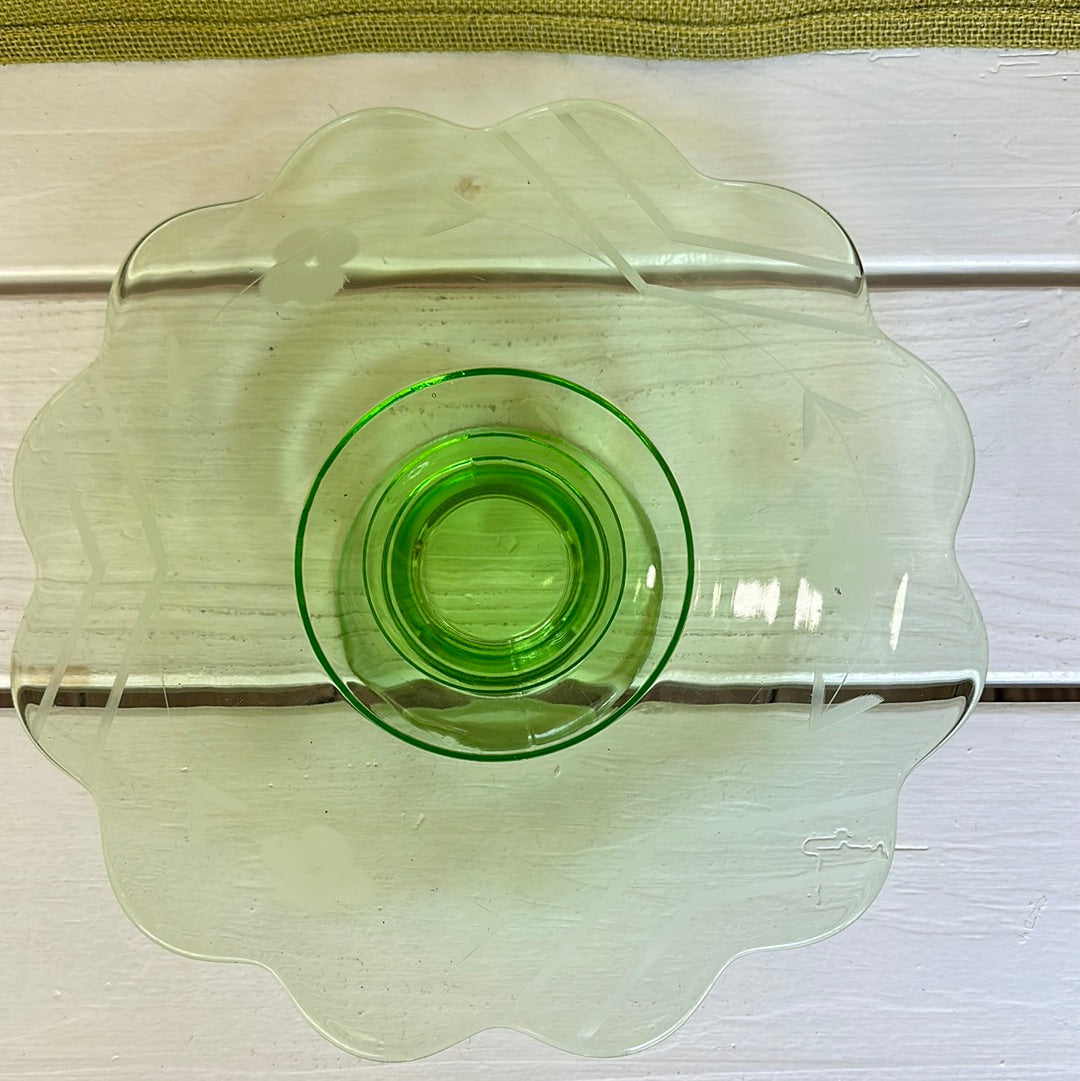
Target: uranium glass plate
x=496 y=578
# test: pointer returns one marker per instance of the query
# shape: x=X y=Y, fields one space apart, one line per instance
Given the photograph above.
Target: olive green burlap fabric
x=54 y=30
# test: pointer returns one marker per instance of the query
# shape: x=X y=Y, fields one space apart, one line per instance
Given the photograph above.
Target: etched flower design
x=407 y=899
x=310 y=266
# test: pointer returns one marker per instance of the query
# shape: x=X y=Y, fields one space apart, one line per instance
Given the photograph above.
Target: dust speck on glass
x=496 y=577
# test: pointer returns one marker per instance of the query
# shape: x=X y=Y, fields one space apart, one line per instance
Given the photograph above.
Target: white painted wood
x=963 y=160
x=1013 y=358
x=1011 y=355
x=965 y=969
x=943 y=164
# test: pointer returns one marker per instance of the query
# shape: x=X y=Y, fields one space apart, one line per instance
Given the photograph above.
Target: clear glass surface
x=244 y=561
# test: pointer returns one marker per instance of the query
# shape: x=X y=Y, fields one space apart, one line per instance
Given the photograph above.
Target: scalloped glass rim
x=564 y=104
x=589 y=897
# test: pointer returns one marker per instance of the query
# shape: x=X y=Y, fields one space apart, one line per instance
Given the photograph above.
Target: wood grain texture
x=945 y=167
x=965 y=968
x=1012 y=357
x=958 y=160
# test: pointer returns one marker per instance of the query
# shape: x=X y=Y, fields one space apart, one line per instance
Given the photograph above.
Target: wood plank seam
x=1062 y=274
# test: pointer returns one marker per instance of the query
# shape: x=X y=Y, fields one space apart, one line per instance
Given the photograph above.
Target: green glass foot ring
x=496 y=590
x=493 y=561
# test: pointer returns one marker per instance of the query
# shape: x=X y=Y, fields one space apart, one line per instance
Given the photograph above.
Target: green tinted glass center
x=493 y=564
x=493 y=561
x=494 y=570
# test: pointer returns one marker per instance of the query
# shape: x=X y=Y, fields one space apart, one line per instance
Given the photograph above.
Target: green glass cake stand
x=496 y=578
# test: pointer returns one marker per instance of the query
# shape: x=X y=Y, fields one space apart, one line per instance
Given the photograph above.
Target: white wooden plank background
x=948 y=168
x=944 y=160
x=964 y=968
